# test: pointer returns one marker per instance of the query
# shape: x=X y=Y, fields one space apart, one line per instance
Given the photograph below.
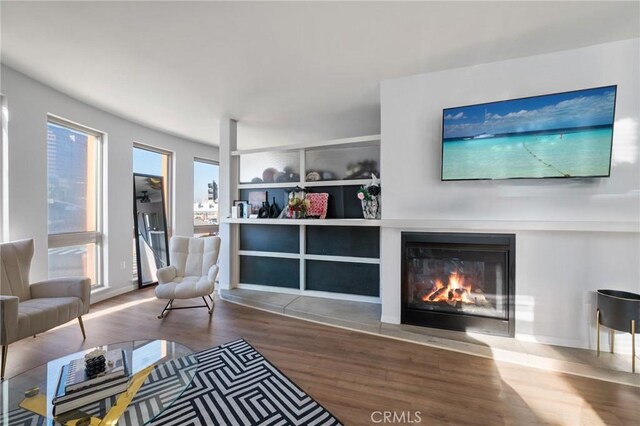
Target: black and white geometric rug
x=236 y=385
x=233 y=385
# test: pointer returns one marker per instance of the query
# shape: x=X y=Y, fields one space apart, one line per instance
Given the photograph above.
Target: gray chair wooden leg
x=84 y=335
x=5 y=350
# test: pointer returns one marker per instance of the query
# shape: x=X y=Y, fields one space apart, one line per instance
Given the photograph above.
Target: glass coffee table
x=161 y=371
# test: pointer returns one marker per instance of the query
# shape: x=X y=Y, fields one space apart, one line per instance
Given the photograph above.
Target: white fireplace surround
x=572 y=236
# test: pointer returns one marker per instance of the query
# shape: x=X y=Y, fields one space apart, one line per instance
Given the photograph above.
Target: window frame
x=4 y=167
x=66 y=239
x=206 y=229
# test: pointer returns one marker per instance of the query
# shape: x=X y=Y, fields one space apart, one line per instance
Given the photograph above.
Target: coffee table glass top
x=160 y=371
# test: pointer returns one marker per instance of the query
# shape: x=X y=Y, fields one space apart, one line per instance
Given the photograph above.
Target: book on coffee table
x=62 y=396
x=78 y=401
x=75 y=389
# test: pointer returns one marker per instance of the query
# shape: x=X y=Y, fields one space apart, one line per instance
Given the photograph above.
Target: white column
x=390 y=275
x=228 y=192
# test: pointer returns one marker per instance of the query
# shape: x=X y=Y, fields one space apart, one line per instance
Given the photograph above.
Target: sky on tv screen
x=582 y=108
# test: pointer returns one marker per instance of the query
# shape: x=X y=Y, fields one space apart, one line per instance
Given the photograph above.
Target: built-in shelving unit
x=337 y=257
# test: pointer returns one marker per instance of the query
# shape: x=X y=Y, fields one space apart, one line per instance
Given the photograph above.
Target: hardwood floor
x=354 y=375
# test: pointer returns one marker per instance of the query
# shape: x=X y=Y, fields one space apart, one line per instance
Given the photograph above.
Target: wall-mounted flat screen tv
x=562 y=135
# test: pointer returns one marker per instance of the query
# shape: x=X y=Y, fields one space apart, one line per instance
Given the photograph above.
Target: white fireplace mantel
x=511 y=225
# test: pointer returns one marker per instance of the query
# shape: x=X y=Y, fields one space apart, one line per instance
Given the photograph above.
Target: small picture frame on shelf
x=256 y=199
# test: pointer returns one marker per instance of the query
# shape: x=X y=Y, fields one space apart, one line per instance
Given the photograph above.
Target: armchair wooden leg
x=209 y=309
x=5 y=350
x=84 y=335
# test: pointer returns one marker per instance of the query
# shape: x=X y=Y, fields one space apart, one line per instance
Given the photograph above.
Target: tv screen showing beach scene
x=562 y=135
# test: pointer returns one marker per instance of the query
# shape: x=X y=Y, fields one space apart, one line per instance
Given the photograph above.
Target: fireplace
x=462 y=282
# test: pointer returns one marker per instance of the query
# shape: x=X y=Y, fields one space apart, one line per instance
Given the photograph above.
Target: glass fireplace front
x=459 y=281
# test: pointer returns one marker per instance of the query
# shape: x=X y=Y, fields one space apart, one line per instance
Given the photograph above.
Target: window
x=205 y=197
x=73 y=187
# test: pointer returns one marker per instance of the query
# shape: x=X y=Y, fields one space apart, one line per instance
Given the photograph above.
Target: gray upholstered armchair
x=29 y=309
x=191 y=274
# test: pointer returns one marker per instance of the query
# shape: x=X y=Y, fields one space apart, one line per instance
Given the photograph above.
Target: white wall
x=556 y=271
x=29 y=103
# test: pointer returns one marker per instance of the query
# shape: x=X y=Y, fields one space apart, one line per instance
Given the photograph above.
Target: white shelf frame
x=309 y=222
x=333 y=143
x=301 y=256
x=310 y=184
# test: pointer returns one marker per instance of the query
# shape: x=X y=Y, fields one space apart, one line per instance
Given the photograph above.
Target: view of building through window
x=73 y=186
x=205 y=197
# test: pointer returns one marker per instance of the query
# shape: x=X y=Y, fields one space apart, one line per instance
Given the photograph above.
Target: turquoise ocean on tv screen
x=565 y=153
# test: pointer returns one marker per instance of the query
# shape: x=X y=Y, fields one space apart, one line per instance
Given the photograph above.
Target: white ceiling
x=289 y=72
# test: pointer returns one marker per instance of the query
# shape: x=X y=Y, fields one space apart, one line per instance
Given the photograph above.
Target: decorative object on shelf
x=327 y=175
x=240 y=209
x=274 y=210
x=371 y=209
x=618 y=310
x=318 y=205
x=313 y=177
x=263 y=213
x=318 y=175
x=298 y=204
x=287 y=175
x=291 y=175
x=269 y=174
x=257 y=199
x=273 y=175
x=362 y=170
x=369 y=196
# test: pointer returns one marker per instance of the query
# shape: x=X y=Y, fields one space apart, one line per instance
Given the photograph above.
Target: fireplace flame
x=454 y=292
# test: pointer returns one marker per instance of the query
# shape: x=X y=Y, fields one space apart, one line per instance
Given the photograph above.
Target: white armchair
x=29 y=309
x=192 y=272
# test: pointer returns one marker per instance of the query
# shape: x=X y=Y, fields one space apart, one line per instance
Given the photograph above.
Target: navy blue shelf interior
x=270 y=271
x=282 y=239
x=343 y=277
x=352 y=241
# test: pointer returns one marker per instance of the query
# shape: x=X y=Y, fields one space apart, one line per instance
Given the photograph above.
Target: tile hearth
x=365 y=317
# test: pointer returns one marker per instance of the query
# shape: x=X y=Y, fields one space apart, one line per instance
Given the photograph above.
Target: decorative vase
x=371 y=208
x=263 y=213
x=274 y=210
